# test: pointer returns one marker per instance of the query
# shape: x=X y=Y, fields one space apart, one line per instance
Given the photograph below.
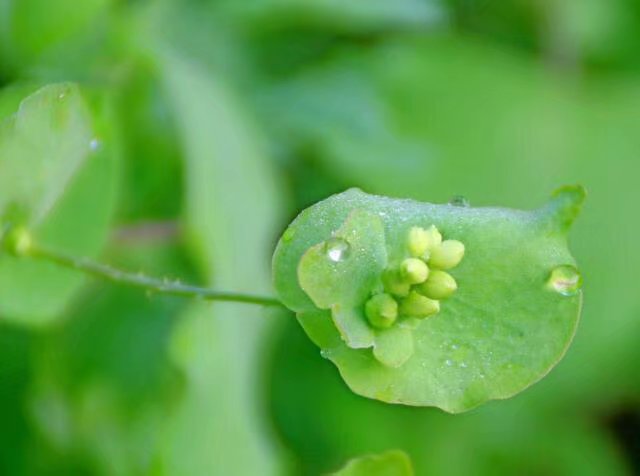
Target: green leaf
x=42 y=31
x=42 y=146
x=390 y=463
x=229 y=231
x=503 y=329
x=57 y=175
x=355 y=254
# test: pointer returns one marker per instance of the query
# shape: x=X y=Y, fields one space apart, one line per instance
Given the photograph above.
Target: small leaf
x=54 y=181
x=502 y=328
x=389 y=463
x=355 y=254
x=42 y=146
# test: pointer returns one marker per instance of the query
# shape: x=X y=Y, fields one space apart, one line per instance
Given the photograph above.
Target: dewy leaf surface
x=354 y=254
x=502 y=330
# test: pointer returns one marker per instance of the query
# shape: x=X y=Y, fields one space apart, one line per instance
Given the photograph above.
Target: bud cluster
x=415 y=287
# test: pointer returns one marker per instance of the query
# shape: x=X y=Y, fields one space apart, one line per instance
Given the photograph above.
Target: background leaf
x=230 y=230
x=59 y=174
x=391 y=463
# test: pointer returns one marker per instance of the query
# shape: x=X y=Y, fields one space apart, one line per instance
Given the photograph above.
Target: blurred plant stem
x=150 y=284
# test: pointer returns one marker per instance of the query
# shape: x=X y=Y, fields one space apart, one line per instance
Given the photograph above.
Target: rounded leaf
x=504 y=327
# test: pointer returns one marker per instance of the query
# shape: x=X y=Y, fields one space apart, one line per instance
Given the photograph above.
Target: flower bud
x=447 y=255
x=440 y=285
x=18 y=241
x=418 y=241
x=414 y=271
x=394 y=284
x=419 y=306
x=435 y=238
x=381 y=311
x=421 y=241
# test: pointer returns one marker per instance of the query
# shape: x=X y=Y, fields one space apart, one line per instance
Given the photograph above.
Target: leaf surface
x=503 y=329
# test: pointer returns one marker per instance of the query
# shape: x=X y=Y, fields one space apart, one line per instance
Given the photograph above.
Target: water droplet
x=459 y=201
x=463 y=365
x=337 y=249
x=449 y=362
x=288 y=235
x=565 y=280
x=62 y=95
x=94 y=145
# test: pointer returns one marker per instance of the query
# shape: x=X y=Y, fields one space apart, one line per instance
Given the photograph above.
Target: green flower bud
x=418 y=241
x=414 y=271
x=381 y=311
x=18 y=241
x=421 y=241
x=394 y=284
x=447 y=255
x=440 y=285
x=418 y=306
x=435 y=238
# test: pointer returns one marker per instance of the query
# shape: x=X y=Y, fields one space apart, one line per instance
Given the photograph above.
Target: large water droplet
x=565 y=280
x=337 y=249
x=459 y=201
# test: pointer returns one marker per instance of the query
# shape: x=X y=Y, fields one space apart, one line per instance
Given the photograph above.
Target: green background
x=223 y=120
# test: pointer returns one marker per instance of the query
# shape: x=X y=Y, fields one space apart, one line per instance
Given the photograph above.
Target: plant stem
x=154 y=285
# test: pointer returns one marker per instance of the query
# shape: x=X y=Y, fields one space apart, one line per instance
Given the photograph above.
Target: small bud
x=18 y=241
x=419 y=306
x=414 y=271
x=435 y=238
x=394 y=284
x=447 y=255
x=418 y=241
x=381 y=311
x=440 y=285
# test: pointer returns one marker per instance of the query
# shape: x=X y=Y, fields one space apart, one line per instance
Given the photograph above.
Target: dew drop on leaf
x=565 y=280
x=459 y=201
x=337 y=249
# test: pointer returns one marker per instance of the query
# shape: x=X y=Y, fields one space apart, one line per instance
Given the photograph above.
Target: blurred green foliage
x=221 y=120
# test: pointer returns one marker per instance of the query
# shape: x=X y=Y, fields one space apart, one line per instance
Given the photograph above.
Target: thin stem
x=155 y=285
